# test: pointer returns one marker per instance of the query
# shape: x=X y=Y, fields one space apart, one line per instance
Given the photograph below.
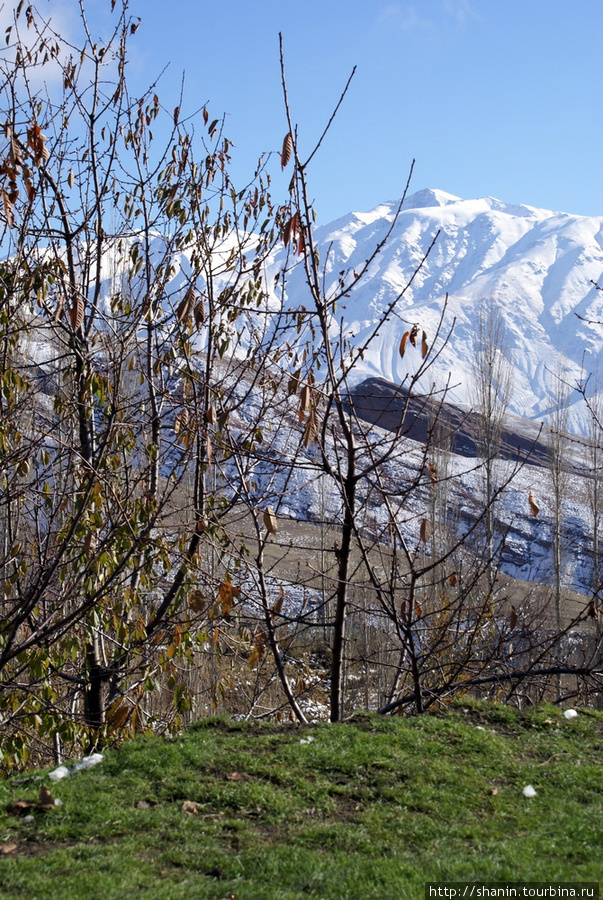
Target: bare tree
x=491 y=396
x=559 y=471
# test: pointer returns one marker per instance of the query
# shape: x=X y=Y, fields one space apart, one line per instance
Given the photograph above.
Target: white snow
x=536 y=267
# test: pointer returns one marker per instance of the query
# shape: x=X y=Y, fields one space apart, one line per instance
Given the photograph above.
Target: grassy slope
x=371 y=808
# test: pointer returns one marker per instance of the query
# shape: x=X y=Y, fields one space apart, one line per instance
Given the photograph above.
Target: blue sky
x=492 y=97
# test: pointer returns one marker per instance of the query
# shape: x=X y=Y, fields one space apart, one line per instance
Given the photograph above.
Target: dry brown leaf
x=534 y=508
x=227 y=595
x=424 y=346
x=305 y=398
x=76 y=314
x=425 y=530
x=191 y=807
x=8 y=209
x=180 y=420
x=287 y=150
x=90 y=543
x=199 y=313
x=45 y=799
x=117 y=714
x=8 y=848
x=186 y=306
x=311 y=430
x=402 y=348
x=240 y=776
x=20 y=806
x=270 y=520
x=254 y=657
x=197 y=601
x=35 y=141
x=292 y=229
x=276 y=609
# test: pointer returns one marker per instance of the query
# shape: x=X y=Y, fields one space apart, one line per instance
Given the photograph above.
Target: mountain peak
x=429 y=197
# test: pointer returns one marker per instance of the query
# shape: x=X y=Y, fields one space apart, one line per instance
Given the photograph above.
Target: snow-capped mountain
x=535 y=267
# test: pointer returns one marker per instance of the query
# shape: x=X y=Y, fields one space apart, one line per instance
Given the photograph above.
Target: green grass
x=372 y=808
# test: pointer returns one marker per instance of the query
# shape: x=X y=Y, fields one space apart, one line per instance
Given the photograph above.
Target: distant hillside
x=389 y=406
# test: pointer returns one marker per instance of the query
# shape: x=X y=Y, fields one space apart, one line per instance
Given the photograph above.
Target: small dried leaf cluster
x=411 y=337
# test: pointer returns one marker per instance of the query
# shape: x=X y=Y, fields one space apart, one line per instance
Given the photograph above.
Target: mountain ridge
x=537 y=268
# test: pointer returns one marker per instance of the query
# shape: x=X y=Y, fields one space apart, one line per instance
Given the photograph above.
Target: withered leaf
x=8 y=209
x=227 y=596
x=186 y=306
x=20 y=806
x=310 y=435
x=196 y=600
x=403 y=343
x=254 y=657
x=425 y=531
x=90 y=543
x=45 y=799
x=191 y=807
x=290 y=229
x=180 y=420
x=277 y=607
x=76 y=313
x=305 y=398
x=35 y=141
x=424 y=346
x=8 y=848
x=199 y=313
x=287 y=150
x=534 y=508
x=117 y=714
x=270 y=520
